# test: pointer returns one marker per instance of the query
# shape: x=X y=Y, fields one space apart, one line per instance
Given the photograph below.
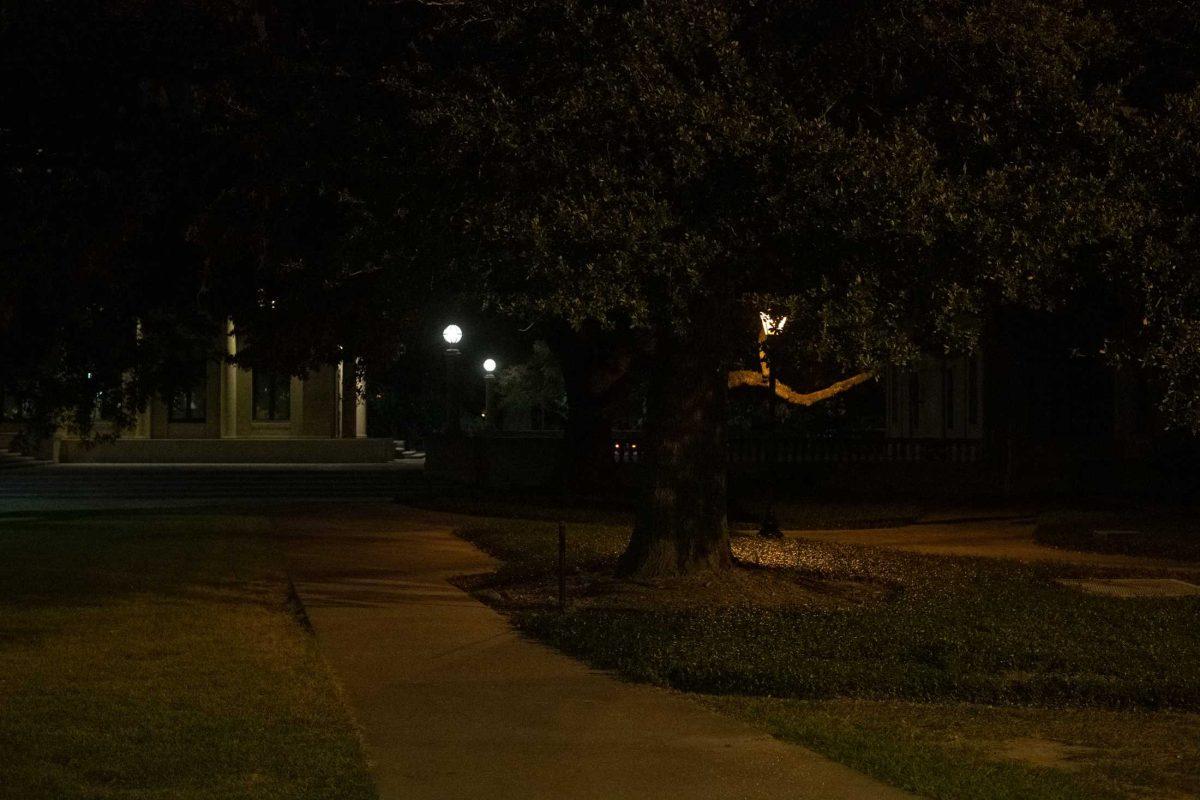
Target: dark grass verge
x=746 y=512
x=1157 y=534
x=549 y=507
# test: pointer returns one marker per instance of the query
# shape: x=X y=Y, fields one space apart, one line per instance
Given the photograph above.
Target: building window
x=189 y=405
x=973 y=391
x=948 y=397
x=272 y=397
x=914 y=402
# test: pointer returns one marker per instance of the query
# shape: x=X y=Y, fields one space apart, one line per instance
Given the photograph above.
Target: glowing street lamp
x=489 y=390
x=452 y=335
x=772 y=326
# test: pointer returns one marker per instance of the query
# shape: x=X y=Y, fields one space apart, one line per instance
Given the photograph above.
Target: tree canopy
x=887 y=172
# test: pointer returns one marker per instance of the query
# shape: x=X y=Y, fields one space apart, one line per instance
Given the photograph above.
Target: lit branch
x=748 y=377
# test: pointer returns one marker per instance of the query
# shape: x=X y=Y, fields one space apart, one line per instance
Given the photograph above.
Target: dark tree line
x=169 y=166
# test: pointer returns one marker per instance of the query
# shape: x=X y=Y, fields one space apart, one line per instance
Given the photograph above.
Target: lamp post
x=489 y=391
x=452 y=335
x=771 y=327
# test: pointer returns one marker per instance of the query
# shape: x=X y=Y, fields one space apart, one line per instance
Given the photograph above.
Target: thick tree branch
x=748 y=377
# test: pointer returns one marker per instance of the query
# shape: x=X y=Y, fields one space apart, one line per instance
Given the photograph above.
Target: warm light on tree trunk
x=747 y=377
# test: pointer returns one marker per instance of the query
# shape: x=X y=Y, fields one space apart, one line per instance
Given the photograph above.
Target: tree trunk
x=681 y=525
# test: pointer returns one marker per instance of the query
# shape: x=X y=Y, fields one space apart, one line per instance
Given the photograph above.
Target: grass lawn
x=1158 y=533
x=510 y=504
x=157 y=656
x=974 y=752
x=952 y=677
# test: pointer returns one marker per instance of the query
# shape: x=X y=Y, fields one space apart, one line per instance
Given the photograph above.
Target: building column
x=348 y=400
x=296 y=415
x=337 y=400
x=352 y=402
x=360 y=410
x=141 y=425
x=229 y=376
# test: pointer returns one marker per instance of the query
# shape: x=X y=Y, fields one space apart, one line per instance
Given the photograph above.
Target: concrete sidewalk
x=454 y=704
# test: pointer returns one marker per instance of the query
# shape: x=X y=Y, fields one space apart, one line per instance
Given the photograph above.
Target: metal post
x=770 y=525
x=562 y=566
x=489 y=394
x=453 y=407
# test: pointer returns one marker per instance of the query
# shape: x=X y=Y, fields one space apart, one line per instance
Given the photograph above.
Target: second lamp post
x=489 y=392
x=452 y=336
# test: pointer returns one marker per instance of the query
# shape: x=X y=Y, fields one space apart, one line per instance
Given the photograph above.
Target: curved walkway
x=987 y=536
x=453 y=703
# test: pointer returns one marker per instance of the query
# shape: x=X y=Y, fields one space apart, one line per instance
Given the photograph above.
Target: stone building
x=938 y=398
x=236 y=415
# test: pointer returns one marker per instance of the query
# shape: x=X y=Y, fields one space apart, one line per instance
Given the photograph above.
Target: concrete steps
x=13 y=460
x=211 y=482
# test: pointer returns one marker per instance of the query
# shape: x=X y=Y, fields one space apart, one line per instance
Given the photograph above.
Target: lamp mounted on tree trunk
x=771 y=326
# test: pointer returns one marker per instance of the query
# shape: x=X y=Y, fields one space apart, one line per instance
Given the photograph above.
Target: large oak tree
x=889 y=174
